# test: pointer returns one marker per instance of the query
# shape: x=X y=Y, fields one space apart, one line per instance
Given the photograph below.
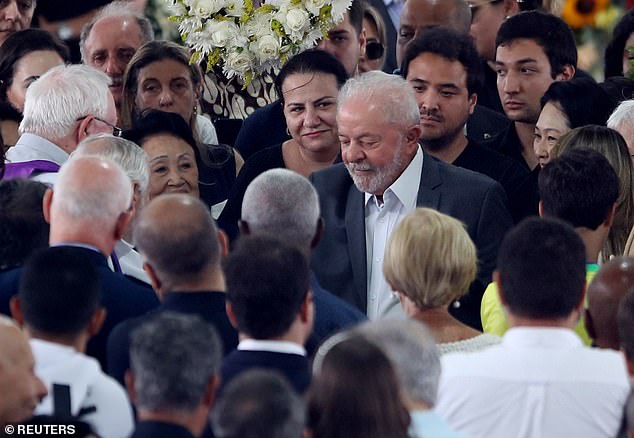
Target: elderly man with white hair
x=64 y=106
x=622 y=120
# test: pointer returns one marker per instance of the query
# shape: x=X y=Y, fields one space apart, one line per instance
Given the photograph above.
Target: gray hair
x=260 y=404
x=282 y=203
x=62 y=95
x=127 y=154
x=412 y=350
x=119 y=8
x=622 y=115
x=392 y=94
x=92 y=189
x=172 y=358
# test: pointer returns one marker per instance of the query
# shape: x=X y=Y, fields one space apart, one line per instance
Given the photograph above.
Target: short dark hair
x=619 y=88
x=260 y=404
x=613 y=55
x=311 y=61
x=22 y=225
x=267 y=282
x=551 y=33
x=20 y=44
x=575 y=97
x=355 y=12
x=541 y=263
x=451 y=45
x=59 y=291
x=625 y=322
x=579 y=187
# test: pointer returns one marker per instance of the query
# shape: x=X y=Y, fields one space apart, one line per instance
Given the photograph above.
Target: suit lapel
x=355 y=232
x=430 y=180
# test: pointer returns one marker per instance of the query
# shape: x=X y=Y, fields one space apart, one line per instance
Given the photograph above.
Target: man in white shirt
x=541 y=381
x=58 y=304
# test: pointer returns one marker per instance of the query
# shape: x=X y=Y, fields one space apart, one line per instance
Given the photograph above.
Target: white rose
x=238 y=62
x=296 y=19
x=220 y=32
x=205 y=8
x=266 y=47
x=314 y=6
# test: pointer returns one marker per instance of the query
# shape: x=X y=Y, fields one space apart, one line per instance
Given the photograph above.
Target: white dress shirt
x=380 y=220
x=272 y=346
x=539 y=382
x=33 y=147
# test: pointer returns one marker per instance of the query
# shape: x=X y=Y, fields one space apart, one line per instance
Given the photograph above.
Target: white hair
x=64 y=94
x=412 y=350
x=127 y=154
x=119 y=8
x=92 y=190
x=622 y=115
x=282 y=203
x=392 y=93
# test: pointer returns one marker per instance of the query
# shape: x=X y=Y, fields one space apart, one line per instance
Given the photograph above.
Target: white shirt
x=89 y=386
x=33 y=147
x=539 y=382
x=130 y=260
x=272 y=346
x=380 y=220
x=205 y=130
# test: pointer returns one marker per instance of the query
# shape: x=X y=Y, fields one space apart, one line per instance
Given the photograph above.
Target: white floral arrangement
x=247 y=40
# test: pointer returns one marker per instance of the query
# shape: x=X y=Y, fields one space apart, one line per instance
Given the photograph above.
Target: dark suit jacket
x=340 y=259
x=209 y=305
x=158 y=429
x=292 y=366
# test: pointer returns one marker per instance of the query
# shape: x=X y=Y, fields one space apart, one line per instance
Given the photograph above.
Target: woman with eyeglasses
x=375 y=37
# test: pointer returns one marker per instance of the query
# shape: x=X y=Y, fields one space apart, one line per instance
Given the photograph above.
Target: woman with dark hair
x=617 y=58
x=308 y=86
x=567 y=105
x=355 y=393
x=175 y=162
x=25 y=56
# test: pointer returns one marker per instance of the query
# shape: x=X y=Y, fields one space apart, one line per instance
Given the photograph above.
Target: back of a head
x=575 y=96
x=178 y=237
x=282 y=203
x=64 y=94
x=267 y=282
x=579 y=187
x=22 y=224
x=128 y=155
x=623 y=115
x=430 y=258
x=619 y=88
x=451 y=45
x=412 y=350
x=355 y=392
x=541 y=264
x=551 y=33
x=392 y=94
x=52 y=279
x=259 y=404
x=172 y=357
x=91 y=191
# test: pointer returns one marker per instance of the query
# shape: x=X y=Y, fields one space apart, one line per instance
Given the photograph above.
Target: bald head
x=613 y=281
x=419 y=14
x=20 y=388
x=284 y=204
x=178 y=238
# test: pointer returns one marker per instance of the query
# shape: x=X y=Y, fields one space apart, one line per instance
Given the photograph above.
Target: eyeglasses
x=116 y=131
x=373 y=50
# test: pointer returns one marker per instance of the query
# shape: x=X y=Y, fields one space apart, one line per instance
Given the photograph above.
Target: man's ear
x=223 y=240
x=628 y=362
x=566 y=74
x=47 y=201
x=473 y=100
x=497 y=279
x=362 y=42
x=16 y=310
x=231 y=315
x=82 y=129
x=541 y=208
x=209 y=396
x=319 y=232
x=511 y=7
x=128 y=378
x=122 y=224
x=413 y=135
x=156 y=282
x=609 y=219
x=307 y=307
x=587 y=320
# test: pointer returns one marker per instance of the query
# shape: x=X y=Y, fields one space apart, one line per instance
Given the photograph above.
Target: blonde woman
x=430 y=261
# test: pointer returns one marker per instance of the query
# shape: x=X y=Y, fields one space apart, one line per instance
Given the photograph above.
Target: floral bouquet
x=247 y=40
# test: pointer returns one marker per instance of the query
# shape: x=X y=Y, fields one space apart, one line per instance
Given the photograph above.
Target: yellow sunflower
x=581 y=13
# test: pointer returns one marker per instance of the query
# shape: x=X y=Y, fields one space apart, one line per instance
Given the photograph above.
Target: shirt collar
x=405 y=188
x=273 y=346
x=542 y=337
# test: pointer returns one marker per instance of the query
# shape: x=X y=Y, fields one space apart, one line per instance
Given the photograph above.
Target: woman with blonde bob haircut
x=430 y=261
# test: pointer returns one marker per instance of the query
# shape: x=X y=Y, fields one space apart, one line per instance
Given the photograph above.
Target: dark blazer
x=292 y=366
x=158 y=429
x=340 y=259
x=209 y=305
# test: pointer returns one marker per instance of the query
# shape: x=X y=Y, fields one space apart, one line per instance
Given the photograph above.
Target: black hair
x=541 y=263
x=575 y=97
x=619 y=88
x=451 y=45
x=551 y=33
x=22 y=225
x=267 y=282
x=59 y=291
x=20 y=44
x=579 y=187
x=613 y=56
x=311 y=61
x=355 y=13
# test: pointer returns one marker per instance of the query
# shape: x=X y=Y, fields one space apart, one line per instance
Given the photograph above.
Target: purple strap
x=27 y=169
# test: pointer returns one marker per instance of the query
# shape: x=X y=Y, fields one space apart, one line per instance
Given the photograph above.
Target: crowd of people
x=425 y=230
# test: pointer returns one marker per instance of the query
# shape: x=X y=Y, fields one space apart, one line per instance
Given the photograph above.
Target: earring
x=288 y=132
x=195 y=109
